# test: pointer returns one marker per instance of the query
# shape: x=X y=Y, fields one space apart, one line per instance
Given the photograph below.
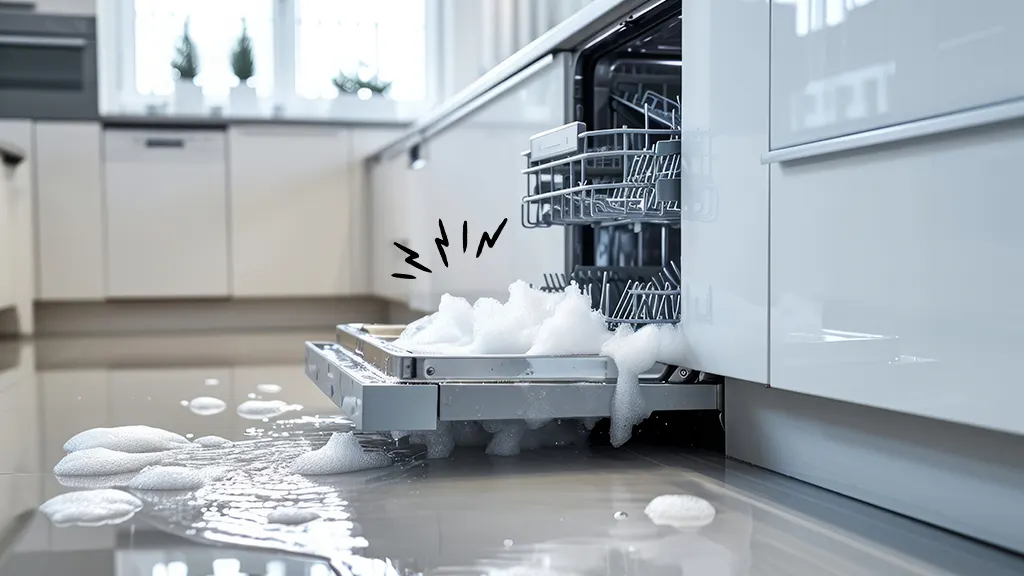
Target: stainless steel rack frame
x=381 y=387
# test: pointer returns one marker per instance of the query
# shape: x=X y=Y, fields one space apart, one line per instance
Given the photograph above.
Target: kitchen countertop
x=220 y=122
x=569 y=511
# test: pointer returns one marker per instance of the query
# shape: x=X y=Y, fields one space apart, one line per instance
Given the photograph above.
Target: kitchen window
x=299 y=48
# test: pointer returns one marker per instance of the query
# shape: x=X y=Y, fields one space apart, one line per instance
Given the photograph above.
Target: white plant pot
x=243 y=101
x=188 y=98
x=351 y=106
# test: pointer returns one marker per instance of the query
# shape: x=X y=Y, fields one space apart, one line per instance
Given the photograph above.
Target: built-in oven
x=47 y=66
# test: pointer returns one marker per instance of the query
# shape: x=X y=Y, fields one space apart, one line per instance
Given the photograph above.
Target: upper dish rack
x=604 y=177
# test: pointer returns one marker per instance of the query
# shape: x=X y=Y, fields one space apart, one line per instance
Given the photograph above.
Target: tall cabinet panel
x=69 y=196
x=291 y=197
x=725 y=192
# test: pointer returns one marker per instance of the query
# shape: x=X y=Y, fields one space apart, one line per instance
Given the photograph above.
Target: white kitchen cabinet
x=895 y=277
x=166 y=213
x=842 y=67
x=473 y=175
x=17 y=246
x=725 y=191
x=291 y=203
x=7 y=295
x=69 y=205
x=390 y=216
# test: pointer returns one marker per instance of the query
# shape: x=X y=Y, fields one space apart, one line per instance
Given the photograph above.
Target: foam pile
x=680 y=511
x=105 y=462
x=168 y=478
x=131 y=439
x=207 y=406
x=268 y=388
x=91 y=508
x=260 y=409
x=342 y=454
x=292 y=516
x=211 y=441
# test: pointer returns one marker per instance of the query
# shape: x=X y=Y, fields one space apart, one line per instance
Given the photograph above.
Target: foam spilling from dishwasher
x=105 y=462
x=168 y=478
x=342 y=454
x=131 y=439
x=534 y=322
x=292 y=516
x=91 y=508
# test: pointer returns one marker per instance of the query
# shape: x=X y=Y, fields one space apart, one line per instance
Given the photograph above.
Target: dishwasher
x=611 y=179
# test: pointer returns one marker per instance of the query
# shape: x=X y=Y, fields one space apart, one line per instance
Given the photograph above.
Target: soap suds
x=105 y=462
x=341 y=454
x=292 y=516
x=439 y=443
x=573 y=327
x=168 y=478
x=91 y=508
x=260 y=409
x=451 y=326
x=470 y=434
x=633 y=353
x=211 y=441
x=207 y=405
x=268 y=388
x=133 y=439
x=680 y=511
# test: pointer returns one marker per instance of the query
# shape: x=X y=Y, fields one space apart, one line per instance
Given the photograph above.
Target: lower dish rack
x=381 y=387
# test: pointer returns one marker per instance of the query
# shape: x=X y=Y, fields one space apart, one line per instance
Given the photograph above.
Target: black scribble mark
x=402 y=276
x=442 y=243
x=465 y=236
x=490 y=240
x=410 y=259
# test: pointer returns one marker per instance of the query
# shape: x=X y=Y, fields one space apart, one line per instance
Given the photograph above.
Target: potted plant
x=188 y=97
x=363 y=91
x=243 y=97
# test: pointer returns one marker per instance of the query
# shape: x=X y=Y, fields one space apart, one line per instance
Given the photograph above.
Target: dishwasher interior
x=611 y=178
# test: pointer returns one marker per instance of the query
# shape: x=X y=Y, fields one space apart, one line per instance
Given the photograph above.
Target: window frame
x=119 y=82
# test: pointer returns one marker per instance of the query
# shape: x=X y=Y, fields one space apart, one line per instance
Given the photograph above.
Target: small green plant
x=353 y=84
x=186 y=58
x=242 y=63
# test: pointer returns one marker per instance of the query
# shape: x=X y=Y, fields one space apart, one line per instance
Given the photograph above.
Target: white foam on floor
x=133 y=439
x=211 y=382
x=260 y=409
x=207 y=405
x=168 y=478
x=633 y=353
x=292 y=516
x=268 y=388
x=573 y=327
x=211 y=441
x=91 y=508
x=680 y=511
x=470 y=434
x=105 y=462
x=342 y=454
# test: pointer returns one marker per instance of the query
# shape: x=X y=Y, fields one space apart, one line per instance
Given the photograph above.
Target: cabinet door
x=725 y=193
x=389 y=180
x=69 y=196
x=363 y=237
x=7 y=297
x=17 y=243
x=896 y=278
x=166 y=214
x=290 y=207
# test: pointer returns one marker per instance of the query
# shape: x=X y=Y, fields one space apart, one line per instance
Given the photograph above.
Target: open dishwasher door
x=380 y=387
x=608 y=182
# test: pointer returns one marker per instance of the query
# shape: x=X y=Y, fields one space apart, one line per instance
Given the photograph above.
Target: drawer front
x=165 y=146
x=840 y=67
x=896 y=279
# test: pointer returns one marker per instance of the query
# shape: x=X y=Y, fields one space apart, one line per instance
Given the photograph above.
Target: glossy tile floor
x=567 y=511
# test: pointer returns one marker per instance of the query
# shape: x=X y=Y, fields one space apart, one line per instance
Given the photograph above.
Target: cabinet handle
x=165 y=143
x=42 y=41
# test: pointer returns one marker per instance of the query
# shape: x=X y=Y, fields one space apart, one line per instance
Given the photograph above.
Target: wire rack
x=626 y=295
x=601 y=177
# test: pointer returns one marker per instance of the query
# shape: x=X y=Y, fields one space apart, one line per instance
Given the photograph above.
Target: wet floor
x=574 y=510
